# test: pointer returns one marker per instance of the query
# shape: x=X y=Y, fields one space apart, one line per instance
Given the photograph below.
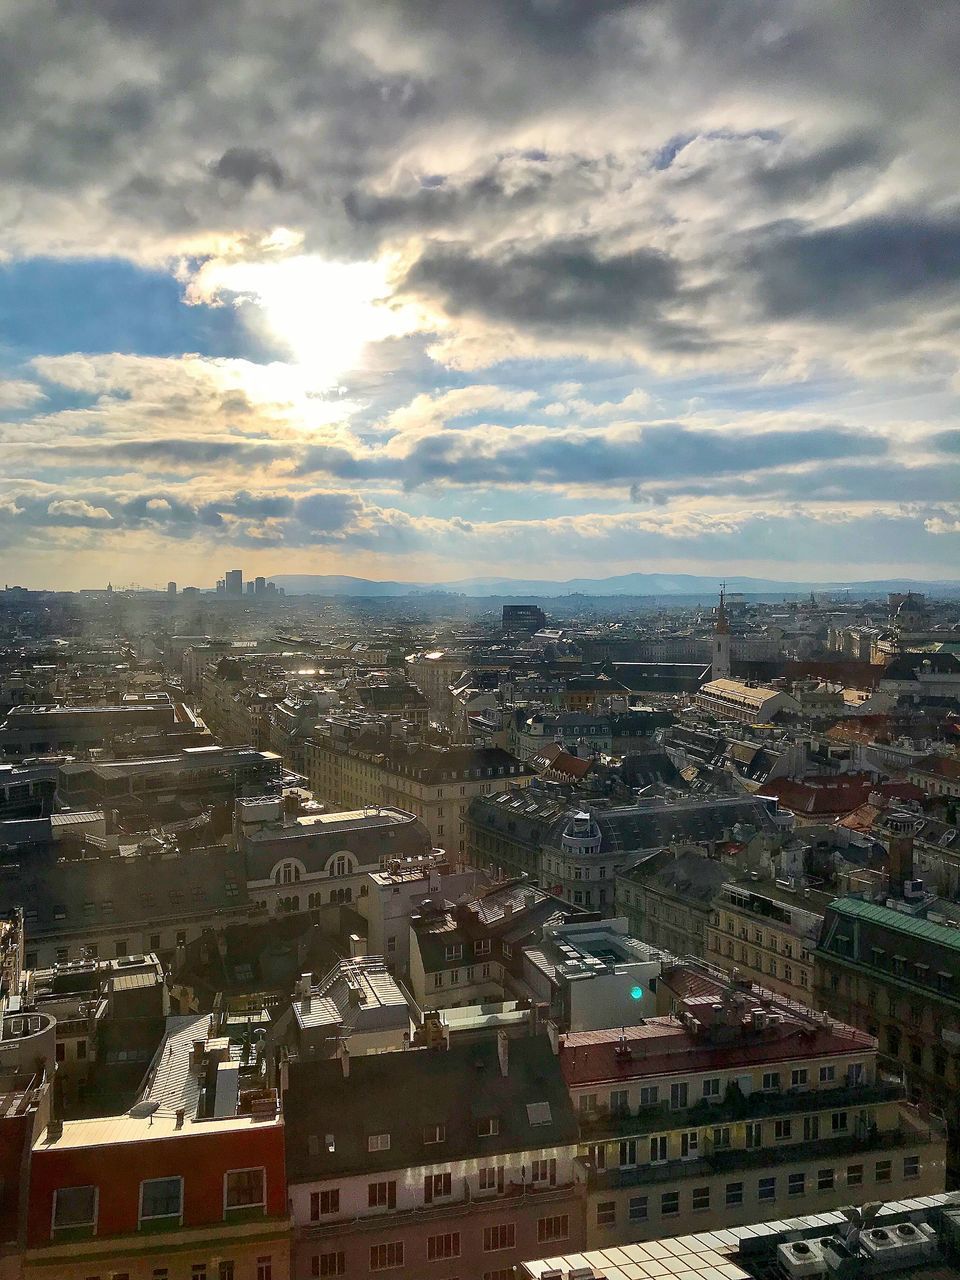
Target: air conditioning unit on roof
x=802 y=1258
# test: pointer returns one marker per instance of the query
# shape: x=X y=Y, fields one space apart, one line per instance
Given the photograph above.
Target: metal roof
x=891 y=918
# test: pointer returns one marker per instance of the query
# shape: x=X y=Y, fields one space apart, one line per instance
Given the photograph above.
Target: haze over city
x=423 y=291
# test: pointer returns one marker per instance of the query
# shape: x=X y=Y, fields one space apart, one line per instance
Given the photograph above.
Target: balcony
x=516 y=1195
x=736 y=1106
x=911 y=1131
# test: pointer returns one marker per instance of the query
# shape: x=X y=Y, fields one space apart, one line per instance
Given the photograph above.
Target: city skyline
x=589 y=288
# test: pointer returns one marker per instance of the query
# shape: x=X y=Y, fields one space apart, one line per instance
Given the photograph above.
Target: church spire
x=723 y=626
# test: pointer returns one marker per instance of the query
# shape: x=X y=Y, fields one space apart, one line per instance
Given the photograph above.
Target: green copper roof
x=916 y=926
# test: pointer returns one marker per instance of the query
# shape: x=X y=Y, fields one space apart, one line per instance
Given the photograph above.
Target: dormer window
x=488 y=1127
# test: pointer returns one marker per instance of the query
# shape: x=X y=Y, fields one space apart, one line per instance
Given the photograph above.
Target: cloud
x=245 y=165
x=18 y=394
x=77 y=509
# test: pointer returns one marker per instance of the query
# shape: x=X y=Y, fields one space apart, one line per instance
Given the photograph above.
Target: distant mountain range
x=625 y=584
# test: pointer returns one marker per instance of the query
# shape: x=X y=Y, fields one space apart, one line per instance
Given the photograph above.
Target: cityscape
x=442 y=935
x=479 y=640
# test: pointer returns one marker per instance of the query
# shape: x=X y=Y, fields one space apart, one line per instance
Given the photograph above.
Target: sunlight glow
x=323 y=312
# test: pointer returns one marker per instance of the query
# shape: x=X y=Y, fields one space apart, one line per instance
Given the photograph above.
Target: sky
x=423 y=289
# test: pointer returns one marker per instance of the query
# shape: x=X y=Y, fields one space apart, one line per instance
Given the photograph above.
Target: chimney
x=503 y=1052
x=344 y=1055
x=181 y=1113
x=900 y=845
x=553 y=1035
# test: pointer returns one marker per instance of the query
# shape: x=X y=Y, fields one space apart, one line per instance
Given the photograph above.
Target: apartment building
x=189 y=1182
x=431 y=1162
x=733 y=1107
x=435 y=783
x=300 y=862
x=471 y=952
x=896 y=975
x=768 y=932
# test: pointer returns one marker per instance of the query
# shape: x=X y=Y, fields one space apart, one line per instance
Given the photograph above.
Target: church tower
x=720 y=669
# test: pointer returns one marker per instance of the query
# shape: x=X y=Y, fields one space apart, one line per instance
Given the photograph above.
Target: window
x=378 y=1142
x=482 y=947
x=435 y=1186
x=798 y=1077
x=323 y=1203
x=244 y=1189
x=628 y=1153
x=553 y=1228
x=329 y=1264
x=434 y=1133
x=854 y=1175
x=199 y=1271
x=454 y=977
x=658 y=1150
x=488 y=1177
x=161 y=1199
x=383 y=1257
x=502 y=1236
x=445 y=1246
x=225 y=1270
x=838 y=1122
x=649 y=1096
x=265 y=1268
x=690 y=1145
x=828 y=1075
x=678 y=1097
x=782 y=1130
x=771 y=1080
x=884 y=1170
x=637 y=1209
x=701 y=1198
x=796 y=1184
x=811 y=1128
x=453 y=952
x=619 y=1102
x=767 y=1189
x=721 y=1137
x=74 y=1208
x=911 y=1166
x=824 y=1179
x=711 y=1087
x=81 y=1050
x=488 y=1127
x=381 y=1195
x=734 y=1194
x=543 y=1171
x=438 y=980
x=60 y=1052
x=607 y=1213
x=754 y=1136
x=669 y=1204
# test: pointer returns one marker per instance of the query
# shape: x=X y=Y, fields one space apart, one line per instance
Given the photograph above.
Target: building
x=115 y=904
x=936 y=775
x=299 y=863
x=577 y=853
x=473 y=1171
x=591 y=974
x=377 y=767
x=471 y=952
x=233 y=582
x=523 y=617
x=713 y=1116
x=25 y=1107
x=668 y=899
x=743 y=702
x=720 y=661
x=171 y=588
x=910 y=1239
x=768 y=931
x=35 y=730
x=200 y=776
x=191 y=1180
x=396 y=893
x=895 y=974
x=11 y=952
x=356 y=1008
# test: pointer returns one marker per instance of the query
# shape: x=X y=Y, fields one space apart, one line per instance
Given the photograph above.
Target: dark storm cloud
x=841 y=271
x=797 y=177
x=552 y=286
x=655 y=453
x=245 y=165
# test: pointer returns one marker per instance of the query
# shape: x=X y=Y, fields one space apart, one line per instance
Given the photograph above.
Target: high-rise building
x=260 y=586
x=249 y=588
x=171 y=588
x=233 y=582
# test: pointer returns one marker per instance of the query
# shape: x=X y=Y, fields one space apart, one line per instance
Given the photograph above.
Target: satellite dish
x=140 y=1110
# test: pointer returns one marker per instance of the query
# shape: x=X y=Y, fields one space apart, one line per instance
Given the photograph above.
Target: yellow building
x=733 y=1109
